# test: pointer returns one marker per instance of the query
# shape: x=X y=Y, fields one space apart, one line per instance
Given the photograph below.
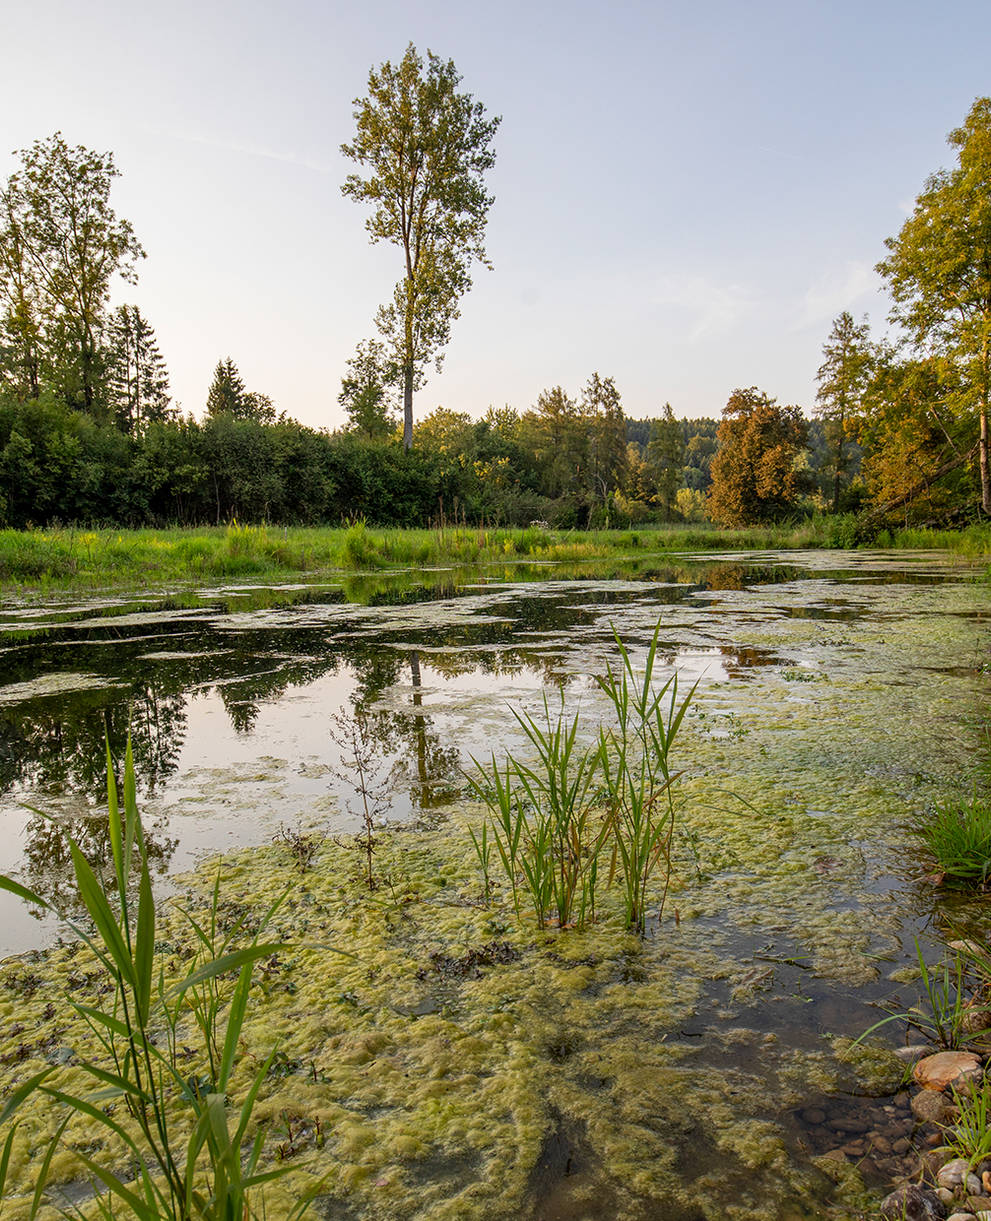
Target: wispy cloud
x=239 y=147
x=706 y=308
x=838 y=289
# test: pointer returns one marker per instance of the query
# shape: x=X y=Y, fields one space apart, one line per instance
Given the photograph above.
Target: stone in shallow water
x=947 y=1068
x=915 y=1051
x=912 y=1203
x=928 y=1106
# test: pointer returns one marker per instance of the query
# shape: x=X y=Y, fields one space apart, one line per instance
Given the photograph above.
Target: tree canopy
x=755 y=471
x=424 y=149
x=939 y=274
x=61 y=245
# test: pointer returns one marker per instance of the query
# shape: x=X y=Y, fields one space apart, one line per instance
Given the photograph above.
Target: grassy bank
x=70 y=558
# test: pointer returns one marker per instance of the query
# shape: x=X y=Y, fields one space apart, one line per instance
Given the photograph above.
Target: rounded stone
x=948 y=1068
x=928 y=1106
x=953 y=1173
x=912 y=1203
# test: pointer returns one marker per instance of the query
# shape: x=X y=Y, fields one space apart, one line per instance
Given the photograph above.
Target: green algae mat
x=436 y=1057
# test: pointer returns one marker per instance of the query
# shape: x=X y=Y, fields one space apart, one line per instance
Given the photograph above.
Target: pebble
x=954 y=1172
x=848 y=1124
x=901 y=1146
x=960 y=1217
x=909 y=1055
x=813 y=1116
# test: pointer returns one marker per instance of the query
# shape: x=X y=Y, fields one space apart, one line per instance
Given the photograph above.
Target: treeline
x=60 y=464
x=88 y=432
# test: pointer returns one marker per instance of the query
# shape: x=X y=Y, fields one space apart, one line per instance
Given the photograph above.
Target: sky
x=685 y=195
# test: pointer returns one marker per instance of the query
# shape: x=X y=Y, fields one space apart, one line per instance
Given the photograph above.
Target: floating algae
x=461 y=1065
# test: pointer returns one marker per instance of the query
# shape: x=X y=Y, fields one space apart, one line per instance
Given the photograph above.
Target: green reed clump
x=957 y=834
x=969 y=1136
x=542 y=826
x=552 y=821
x=634 y=756
x=186 y=1141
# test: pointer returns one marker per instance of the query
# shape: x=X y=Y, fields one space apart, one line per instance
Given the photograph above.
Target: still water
x=837 y=696
x=230 y=694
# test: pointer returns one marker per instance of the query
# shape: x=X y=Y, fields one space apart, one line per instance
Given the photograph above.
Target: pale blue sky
x=685 y=195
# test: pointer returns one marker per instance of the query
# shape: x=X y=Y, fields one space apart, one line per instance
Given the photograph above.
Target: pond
x=702 y=1074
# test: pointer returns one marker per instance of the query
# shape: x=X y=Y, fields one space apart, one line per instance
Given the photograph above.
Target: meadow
x=52 y=559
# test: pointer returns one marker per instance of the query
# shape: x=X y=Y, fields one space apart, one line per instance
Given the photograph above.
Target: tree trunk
x=408 y=406
x=983 y=463
x=982 y=445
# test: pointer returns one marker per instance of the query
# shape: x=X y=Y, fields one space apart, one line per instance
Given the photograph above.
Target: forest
x=89 y=433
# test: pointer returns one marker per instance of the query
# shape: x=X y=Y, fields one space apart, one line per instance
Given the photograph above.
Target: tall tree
x=227 y=395
x=424 y=149
x=603 y=411
x=664 y=461
x=754 y=473
x=62 y=244
x=939 y=273
x=138 y=379
x=842 y=378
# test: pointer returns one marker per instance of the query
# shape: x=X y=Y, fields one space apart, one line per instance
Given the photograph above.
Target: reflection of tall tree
x=58 y=741
x=49 y=865
x=436 y=765
x=61 y=743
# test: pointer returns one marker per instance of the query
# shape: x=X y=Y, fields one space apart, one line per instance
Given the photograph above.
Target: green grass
x=957 y=834
x=69 y=558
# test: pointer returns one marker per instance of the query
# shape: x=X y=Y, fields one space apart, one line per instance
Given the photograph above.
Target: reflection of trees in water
x=58 y=741
x=48 y=864
x=61 y=742
x=738 y=659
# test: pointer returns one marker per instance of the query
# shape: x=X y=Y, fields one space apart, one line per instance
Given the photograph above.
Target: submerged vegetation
x=464 y=1064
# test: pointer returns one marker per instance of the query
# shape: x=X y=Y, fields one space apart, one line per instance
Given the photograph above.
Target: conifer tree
x=137 y=379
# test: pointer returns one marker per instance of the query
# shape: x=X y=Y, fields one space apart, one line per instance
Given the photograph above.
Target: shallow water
x=837 y=694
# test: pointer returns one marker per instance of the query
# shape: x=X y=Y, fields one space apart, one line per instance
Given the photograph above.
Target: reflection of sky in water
x=231 y=697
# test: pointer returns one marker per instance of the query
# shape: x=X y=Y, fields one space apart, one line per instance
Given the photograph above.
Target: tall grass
x=634 y=755
x=552 y=821
x=54 y=558
x=957 y=835
x=946 y=1011
x=185 y=1139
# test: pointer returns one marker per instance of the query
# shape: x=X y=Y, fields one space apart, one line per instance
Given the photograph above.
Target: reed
x=542 y=827
x=191 y=1161
x=554 y=819
x=634 y=756
x=946 y=1011
x=969 y=1136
